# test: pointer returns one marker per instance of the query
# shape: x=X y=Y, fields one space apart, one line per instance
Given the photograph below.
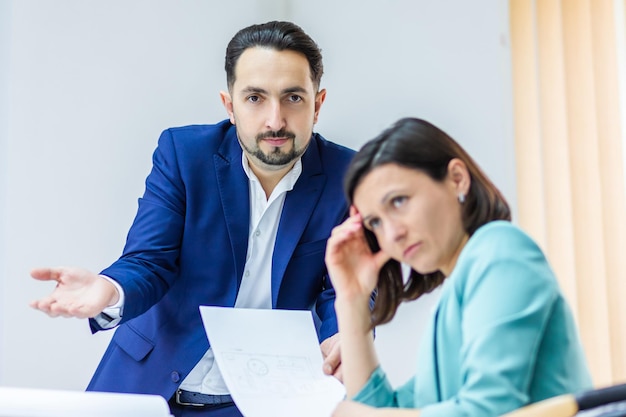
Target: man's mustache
x=276 y=134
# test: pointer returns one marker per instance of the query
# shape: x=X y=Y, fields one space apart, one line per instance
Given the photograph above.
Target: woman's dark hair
x=417 y=144
x=280 y=36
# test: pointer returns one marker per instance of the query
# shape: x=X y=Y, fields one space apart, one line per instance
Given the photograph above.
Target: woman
x=502 y=335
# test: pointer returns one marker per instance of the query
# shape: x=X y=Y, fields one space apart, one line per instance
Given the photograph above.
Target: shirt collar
x=286 y=183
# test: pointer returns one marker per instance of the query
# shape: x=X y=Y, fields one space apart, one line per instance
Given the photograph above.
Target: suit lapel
x=233 y=189
x=297 y=211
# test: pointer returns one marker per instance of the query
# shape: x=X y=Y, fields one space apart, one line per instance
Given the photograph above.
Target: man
x=234 y=214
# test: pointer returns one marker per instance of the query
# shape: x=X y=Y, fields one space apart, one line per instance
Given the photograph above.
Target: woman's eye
x=373 y=224
x=398 y=201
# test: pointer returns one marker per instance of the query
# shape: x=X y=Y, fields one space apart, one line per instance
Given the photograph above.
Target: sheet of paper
x=27 y=402
x=271 y=362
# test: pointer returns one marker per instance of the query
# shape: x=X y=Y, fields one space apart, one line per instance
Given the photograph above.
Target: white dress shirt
x=255 y=290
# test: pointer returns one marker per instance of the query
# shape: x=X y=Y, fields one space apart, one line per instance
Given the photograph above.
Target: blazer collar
x=233 y=191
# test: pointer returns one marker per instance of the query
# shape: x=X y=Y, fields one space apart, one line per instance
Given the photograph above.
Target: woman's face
x=415 y=219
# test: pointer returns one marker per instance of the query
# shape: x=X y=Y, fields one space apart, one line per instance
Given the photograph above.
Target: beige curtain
x=570 y=165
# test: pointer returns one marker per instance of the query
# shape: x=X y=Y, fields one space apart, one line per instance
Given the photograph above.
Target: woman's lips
x=411 y=250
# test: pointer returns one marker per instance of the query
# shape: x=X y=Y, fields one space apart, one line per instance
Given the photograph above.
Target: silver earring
x=461 y=198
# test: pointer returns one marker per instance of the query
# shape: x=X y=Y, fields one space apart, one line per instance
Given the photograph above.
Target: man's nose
x=275 y=117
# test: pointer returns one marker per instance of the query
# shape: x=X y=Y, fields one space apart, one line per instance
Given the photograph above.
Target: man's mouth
x=276 y=138
x=276 y=141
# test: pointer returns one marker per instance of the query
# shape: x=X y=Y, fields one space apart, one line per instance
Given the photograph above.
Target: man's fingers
x=331 y=354
x=45 y=274
x=331 y=364
x=332 y=360
x=78 y=293
x=68 y=310
x=54 y=308
x=339 y=373
x=49 y=305
x=329 y=345
x=45 y=305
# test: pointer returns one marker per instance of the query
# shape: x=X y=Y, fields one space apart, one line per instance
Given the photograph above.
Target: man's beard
x=276 y=157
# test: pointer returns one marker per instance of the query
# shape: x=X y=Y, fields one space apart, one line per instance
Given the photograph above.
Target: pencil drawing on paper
x=257 y=374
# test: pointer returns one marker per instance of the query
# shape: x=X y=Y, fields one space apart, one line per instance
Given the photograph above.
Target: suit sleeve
x=325 y=309
x=148 y=265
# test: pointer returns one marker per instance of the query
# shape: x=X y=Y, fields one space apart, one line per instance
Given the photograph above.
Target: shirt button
x=247 y=273
x=175 y=376
x=257 y=233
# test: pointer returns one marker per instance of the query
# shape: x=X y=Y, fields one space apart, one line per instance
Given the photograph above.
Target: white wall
x=5 y=25
x=447 y=61
x=92 y=84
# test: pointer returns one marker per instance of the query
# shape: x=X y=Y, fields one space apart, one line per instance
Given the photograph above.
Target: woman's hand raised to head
x=352 y=266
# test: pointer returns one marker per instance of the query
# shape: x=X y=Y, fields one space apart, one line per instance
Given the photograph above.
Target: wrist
x=353 y=301
x=115 y=298
x=353 y=315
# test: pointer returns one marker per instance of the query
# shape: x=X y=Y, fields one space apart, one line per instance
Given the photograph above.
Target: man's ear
x=460 y=176
x=227 y=101
x=319 y=100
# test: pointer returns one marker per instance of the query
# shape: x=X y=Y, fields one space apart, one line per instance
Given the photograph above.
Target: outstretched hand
x=79 y=293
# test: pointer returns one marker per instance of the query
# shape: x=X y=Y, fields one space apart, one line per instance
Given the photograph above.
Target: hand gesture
x=79 y=293
x=352 y=267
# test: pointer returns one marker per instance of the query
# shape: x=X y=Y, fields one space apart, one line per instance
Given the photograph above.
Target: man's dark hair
x=280 y=36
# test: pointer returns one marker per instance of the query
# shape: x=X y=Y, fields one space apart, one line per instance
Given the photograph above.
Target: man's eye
x=254 y=99
x=295 y=98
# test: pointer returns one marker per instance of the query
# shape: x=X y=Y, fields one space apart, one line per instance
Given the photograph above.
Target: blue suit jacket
x=187 y=247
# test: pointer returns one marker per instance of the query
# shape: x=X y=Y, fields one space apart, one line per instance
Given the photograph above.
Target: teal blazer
x=501 y=337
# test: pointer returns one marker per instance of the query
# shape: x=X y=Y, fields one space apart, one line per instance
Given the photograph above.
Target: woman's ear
x=459 y=176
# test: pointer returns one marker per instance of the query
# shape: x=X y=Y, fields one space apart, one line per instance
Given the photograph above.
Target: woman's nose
x=395 y=230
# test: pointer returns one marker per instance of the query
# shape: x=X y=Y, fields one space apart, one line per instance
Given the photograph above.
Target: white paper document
x=26 y=402
x=271 y=362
